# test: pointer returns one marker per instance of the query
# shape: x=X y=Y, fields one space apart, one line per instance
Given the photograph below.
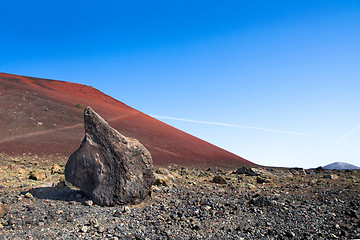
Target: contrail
x=348 y=134
x=242 y=126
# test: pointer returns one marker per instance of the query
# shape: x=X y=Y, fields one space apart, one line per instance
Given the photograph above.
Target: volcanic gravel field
x=186 y=203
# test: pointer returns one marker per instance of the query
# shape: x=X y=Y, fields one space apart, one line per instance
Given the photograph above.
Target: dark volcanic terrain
x=186 y=203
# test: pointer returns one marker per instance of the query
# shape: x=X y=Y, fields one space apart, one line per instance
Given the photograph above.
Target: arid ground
x=186 y=203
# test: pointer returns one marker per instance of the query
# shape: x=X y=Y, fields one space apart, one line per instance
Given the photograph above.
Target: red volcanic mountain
x=45 y=117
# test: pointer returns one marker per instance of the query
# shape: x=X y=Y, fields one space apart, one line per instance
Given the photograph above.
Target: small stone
x=290 y=234
x=4 y=209
x=334 y=236
x=330 y=176
x=260 y=180
x=164 y=180
x=297 y=171
x=117 y=213
x=192 y=183
x=37 y=175
x=251 y=187
x=62 y=184
x=21 y=171
x=195 y=226
x=88 y=203
x=28 y=195
x=62 y=178
x=219 y=180
x=56 y=169
x=84 y=229
x=207 y=208
x=101 y=229
x=126 y=209
x=247 y=171
x=260 y=201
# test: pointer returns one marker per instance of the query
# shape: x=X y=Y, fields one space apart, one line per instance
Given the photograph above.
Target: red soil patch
x=40 y=116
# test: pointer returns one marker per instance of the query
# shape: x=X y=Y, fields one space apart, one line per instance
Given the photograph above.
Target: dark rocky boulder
x=247 y=171
x=109 y=167
x=297 y=171
x=218 y=180
x=260 y=201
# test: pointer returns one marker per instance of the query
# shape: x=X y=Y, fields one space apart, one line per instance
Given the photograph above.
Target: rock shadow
x=59 y=194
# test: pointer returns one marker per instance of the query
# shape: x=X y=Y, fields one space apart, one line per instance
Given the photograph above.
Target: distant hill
x=340 y=165
x=45 y=117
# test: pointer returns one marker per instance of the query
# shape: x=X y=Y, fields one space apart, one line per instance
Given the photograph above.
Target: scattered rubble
x=291 y=206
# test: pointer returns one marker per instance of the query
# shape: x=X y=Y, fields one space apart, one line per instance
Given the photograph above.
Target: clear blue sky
x=289 y=70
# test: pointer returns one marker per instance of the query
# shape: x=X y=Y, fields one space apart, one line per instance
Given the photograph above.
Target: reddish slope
x=40 y=116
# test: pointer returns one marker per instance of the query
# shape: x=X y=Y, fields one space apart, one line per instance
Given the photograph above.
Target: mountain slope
x=45 y=117
x=340 y=165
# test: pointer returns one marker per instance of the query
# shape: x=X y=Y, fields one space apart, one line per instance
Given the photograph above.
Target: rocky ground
x=186 y=203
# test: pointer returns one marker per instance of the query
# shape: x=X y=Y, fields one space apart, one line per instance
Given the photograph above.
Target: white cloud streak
x=242 y=126
x=348 y=134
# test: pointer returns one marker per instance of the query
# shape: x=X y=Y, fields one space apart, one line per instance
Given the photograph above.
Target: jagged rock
x=28 y=195
x=247 y=171
x=260 y=180
x=164 y=180
x=219 y=180
x=163 y=177
x=109 y=167
x=260 y=201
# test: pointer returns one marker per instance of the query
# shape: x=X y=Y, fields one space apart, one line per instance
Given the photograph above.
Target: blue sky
x=276 y=82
